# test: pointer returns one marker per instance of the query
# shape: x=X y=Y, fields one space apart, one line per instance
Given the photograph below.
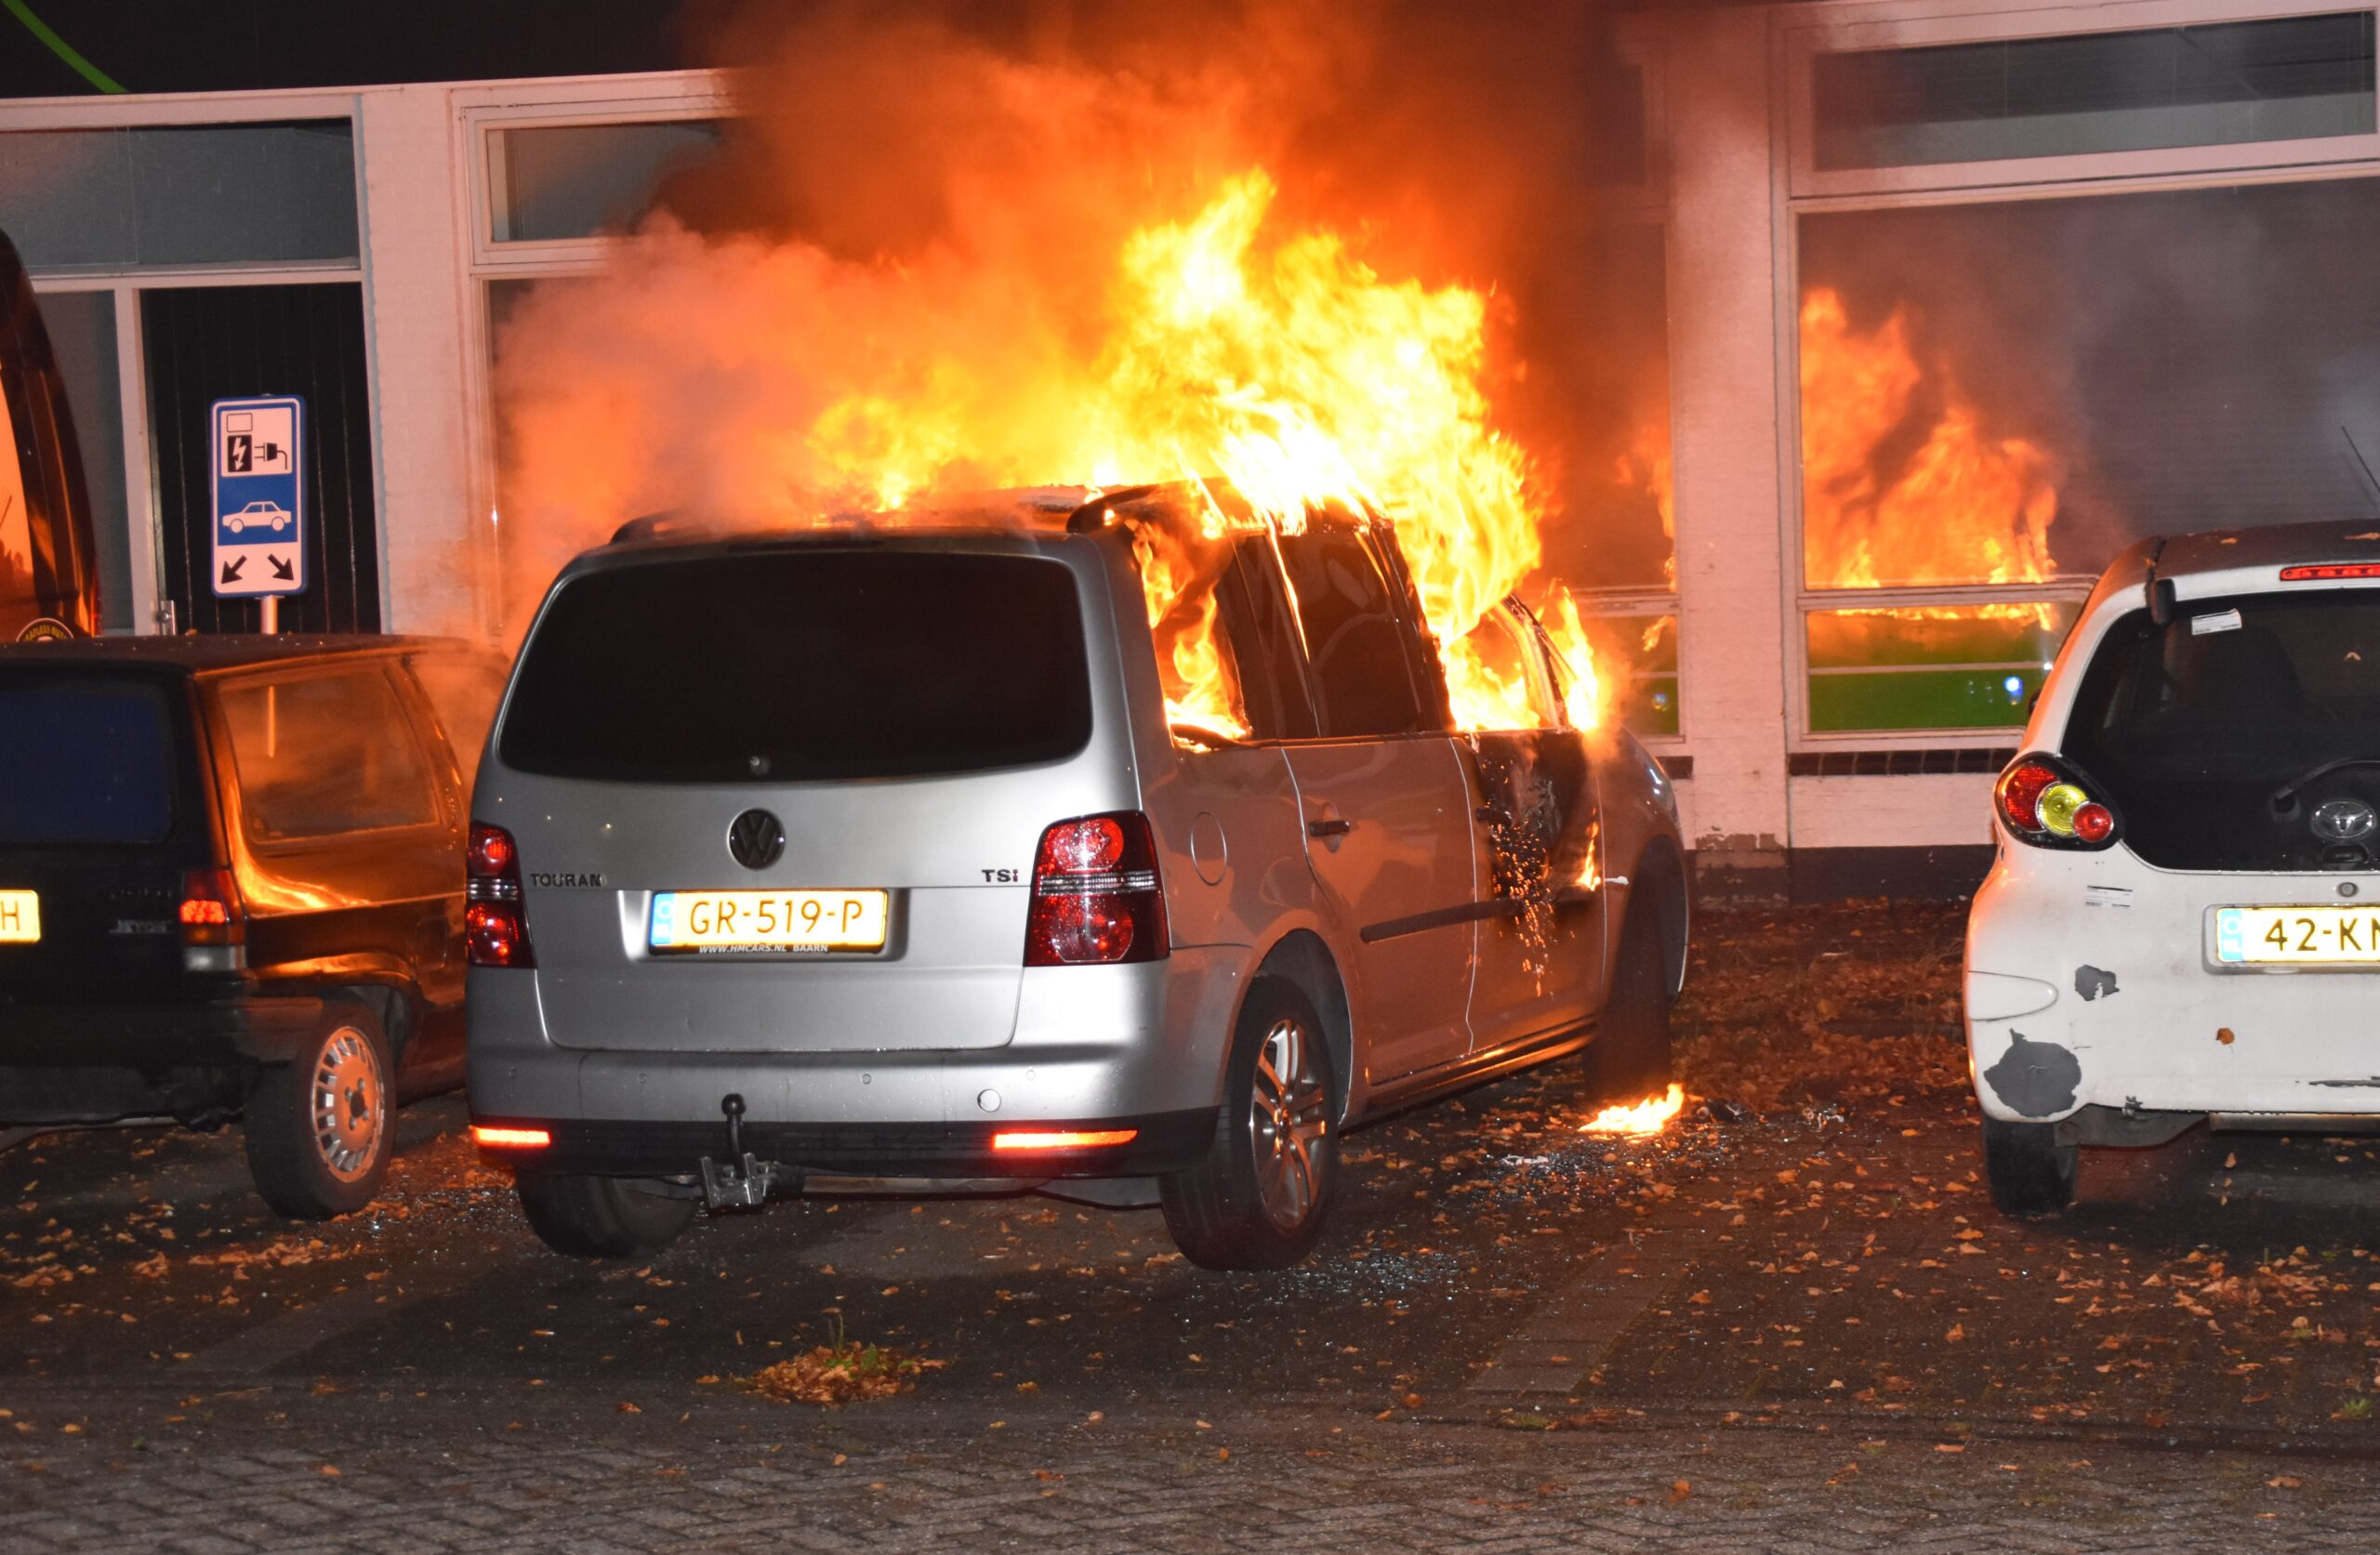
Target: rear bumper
x=1162 y=1142
x=262 y=1029
x=2089 y=984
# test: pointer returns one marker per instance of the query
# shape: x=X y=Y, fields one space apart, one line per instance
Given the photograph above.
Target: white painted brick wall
x=435 y=550
x=1722 y=377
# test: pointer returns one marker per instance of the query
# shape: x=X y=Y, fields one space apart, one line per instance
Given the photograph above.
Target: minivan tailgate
x=832 y=718
x=948 y=977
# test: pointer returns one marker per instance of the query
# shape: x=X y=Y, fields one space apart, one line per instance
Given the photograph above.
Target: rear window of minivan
x=803 y=666
x=84 y=761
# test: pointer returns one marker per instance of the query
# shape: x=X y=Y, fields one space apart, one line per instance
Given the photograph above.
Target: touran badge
x=2344 y=820
x=757 y=838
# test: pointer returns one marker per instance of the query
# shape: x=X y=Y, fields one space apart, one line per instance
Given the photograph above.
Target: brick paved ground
x=1515 y=1337
x=449 y=1475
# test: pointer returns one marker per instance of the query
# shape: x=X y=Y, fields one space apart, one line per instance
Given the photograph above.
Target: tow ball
x=739 y=1181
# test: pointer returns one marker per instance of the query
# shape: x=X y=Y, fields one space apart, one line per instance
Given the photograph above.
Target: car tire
x=601 y=1217
x=2030 y=1172
x=1258 y=1198
x=1630 y=1058
x=319 y=1128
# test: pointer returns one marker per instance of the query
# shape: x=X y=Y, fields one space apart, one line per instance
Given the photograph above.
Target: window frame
x=674 y=99
x=1845 y=27
x=1801 y=190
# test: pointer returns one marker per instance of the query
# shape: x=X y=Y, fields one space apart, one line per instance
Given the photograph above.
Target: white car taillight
x=2044 y=801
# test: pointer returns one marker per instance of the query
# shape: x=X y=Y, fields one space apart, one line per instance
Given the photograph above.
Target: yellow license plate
x=2297 y=936
x=727 y=921
x=19 y=918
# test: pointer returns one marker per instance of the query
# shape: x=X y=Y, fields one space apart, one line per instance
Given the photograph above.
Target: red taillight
x=493 y=855
x=1096 y=897
x=495 y=1137
x=2020 y=792
x=495 y=929
x=211 y=912
x=2331 y=572
x=2044 y=801
x=1065 y=1139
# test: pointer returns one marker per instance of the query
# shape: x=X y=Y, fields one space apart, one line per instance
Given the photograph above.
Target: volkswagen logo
x=757 y=838
x=2344 y=820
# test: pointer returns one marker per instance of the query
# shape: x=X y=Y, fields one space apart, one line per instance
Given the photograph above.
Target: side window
x=1353 y=638
x=1252 y=615
x=1510 y=669
x=320 y=753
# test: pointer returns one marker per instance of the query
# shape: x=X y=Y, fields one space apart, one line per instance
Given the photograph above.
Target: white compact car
x=2183 y=923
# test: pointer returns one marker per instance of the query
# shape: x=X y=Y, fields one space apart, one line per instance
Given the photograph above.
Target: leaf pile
x=838 y=1374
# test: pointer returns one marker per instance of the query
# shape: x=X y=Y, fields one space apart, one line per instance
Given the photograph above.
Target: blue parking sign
x=257 y=480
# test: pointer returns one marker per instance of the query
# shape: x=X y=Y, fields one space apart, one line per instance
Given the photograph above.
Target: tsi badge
x=259 y=473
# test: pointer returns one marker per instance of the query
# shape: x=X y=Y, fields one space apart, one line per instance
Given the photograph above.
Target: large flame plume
x=1077 y=277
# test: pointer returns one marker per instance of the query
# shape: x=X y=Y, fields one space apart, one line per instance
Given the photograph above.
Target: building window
x=2291 y=78
x=1942 y=667
x=182 y=195
x=1997 y=399
x=550 y=183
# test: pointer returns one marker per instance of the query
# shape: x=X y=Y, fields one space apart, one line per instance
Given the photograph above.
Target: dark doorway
x=209 y=343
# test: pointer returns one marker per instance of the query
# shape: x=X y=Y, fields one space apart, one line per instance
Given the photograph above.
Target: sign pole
x=272 y=604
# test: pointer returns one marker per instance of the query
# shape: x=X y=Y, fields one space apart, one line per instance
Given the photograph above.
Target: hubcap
x=349 y=1104
x=1288 y=1118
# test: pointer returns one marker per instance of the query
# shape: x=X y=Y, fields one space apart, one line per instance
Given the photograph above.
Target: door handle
x=1328 y=828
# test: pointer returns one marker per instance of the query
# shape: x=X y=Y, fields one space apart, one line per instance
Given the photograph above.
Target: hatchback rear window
x=84 y=762
x=2219 y=734
x=803 y=666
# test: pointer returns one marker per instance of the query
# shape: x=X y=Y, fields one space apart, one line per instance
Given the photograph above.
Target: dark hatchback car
x=231 y=887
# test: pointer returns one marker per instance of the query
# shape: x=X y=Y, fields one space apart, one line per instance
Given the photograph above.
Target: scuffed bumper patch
x=2036 y=1079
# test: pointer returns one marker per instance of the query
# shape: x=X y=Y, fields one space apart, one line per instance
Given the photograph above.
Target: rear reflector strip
x=509 y=1139
x=2331 y=571
x=1063 y=1139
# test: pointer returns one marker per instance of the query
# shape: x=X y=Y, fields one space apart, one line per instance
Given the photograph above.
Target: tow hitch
x=740 y=1181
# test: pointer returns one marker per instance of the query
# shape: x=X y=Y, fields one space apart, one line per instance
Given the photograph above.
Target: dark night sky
x=187 y=46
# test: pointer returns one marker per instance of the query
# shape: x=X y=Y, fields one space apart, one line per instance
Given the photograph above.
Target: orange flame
x=1202 y=345
x=1648 y=1116
x=1959 y=507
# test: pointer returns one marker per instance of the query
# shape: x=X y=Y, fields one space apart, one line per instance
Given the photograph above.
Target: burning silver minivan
x=870 y=859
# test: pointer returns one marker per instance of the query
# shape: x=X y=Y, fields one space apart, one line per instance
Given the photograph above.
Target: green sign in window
x=1930 y=667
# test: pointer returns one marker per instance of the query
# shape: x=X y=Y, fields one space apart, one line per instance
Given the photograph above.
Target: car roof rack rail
x=654 y=526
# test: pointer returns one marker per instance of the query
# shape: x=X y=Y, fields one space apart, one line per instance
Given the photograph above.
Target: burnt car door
x=348 y=838
x=1539 y=943
x=1385 y=803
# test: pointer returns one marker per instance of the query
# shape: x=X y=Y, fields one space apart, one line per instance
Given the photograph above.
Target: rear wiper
x=2284 y=798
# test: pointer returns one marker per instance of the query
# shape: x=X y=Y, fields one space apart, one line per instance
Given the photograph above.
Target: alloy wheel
x=1288 y=1118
